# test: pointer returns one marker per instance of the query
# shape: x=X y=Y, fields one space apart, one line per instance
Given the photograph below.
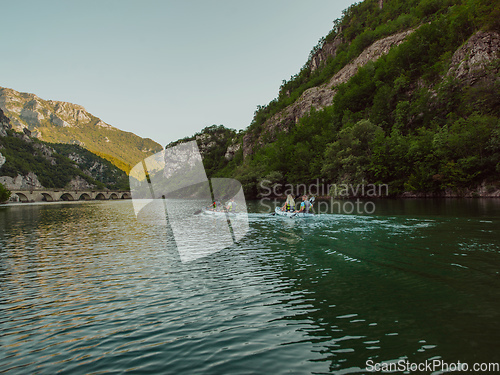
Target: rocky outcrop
x=77 y=158
x=94 y=170
x=73 y=113
x=376 y=50
x=232 y=150
x=320 y=97
x=469 y=62
x=29 y=111
x=78 y=183
x=206 y=143
x=46 y=152
x=2 y=160
x=4 y=124
x=326 y=51
x=19 y=182
x=91 y=167
x=59 y=122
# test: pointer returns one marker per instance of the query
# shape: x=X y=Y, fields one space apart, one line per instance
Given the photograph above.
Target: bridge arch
x=22 y=197
x=113 y=196
x=125 y=196
x=67 y=197
x=85 y=197
x=46 y=197
x=100 y=197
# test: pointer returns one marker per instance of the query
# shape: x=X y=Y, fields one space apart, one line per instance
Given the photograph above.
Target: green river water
x=85 y=290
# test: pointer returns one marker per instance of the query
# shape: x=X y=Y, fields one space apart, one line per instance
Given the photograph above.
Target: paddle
x=312 y=199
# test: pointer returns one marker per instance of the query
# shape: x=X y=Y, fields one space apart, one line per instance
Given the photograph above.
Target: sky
x=161 y=69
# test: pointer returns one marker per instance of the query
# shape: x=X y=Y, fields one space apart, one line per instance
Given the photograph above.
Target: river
x=85 y=289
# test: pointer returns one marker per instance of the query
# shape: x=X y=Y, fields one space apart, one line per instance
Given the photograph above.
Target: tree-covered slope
x=61 y=122
x=421 y=116
x=30 y=163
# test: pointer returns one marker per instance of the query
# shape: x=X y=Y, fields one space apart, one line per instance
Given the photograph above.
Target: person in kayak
x=215 y=206
x=231 y=205
x=289 y=204
x=305 y=205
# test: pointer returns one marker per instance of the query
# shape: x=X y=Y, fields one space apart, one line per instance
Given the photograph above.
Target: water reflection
x=84 y=288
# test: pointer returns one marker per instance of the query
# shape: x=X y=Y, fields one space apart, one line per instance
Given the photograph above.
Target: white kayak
x=278 y=211
x=218 y=213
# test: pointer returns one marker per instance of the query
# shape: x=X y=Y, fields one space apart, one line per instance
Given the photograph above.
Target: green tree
x=347 y=160
x=4 y=194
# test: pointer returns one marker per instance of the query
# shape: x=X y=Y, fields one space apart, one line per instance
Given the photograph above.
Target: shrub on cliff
x=4 y=194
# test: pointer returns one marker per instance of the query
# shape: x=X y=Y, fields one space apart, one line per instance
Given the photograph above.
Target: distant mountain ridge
x=61 y=122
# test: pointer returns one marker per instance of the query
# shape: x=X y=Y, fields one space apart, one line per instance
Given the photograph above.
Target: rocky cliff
x=472 y=63
x=327 y=50
x=399 y=93
x=4 y=124
x=321 y=96
x=61 y=122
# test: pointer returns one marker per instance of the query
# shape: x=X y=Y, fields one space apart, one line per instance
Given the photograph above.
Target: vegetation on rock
x=422 y=118
x=55 y=165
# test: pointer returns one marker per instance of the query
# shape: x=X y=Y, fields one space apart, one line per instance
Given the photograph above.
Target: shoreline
x=400 y=196
x=14 y=204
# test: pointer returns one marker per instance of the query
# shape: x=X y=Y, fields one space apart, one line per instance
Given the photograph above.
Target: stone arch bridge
x=56 y=195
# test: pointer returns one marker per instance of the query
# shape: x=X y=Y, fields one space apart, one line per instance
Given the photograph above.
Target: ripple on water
x=85 y=289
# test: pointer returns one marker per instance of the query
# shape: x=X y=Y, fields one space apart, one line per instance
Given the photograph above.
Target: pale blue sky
x=161 y=69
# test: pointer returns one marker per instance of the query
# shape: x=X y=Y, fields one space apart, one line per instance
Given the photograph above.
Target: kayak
x=278 y=211
x=218 y=213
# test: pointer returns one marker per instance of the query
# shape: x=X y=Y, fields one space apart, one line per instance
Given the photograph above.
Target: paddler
x=305 y=205
x=289 y=204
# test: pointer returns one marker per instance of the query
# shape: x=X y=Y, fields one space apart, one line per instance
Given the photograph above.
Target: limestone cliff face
x=471 y=64
x=320 y=97
x=62 y=122
x=327 y=50
x=470 y=61
x=27 y=110
x=232 y=149
x=4 y=124
x=29 y=181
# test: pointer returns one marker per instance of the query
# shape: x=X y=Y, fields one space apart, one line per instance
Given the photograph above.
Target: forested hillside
x=30 y=163
x=421 y=116
x=62 y=122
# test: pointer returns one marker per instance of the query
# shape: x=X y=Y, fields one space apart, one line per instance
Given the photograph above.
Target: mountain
x=403 y=93
x=26 y=162
x=61 y=122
